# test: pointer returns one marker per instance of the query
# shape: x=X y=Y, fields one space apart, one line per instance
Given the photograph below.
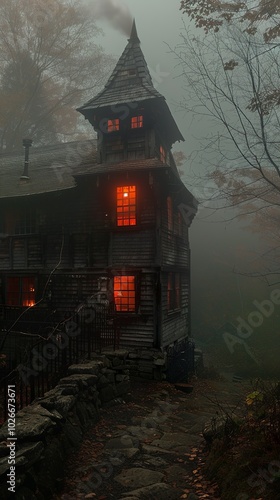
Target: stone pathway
x=150 y=447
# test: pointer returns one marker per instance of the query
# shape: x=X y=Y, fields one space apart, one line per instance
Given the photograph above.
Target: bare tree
x=49 y=63
x=230 y=78
x=262 y=16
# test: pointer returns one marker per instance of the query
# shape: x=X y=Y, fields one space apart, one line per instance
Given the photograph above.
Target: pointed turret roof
x=134 y=35
x=130 y=82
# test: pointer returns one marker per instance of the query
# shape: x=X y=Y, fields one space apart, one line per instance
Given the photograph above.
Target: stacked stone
x=52 y=426
x=142 y=363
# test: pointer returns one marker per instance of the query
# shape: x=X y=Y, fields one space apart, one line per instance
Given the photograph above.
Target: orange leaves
x=203 y=488
x=193 y=455
x=211 y=15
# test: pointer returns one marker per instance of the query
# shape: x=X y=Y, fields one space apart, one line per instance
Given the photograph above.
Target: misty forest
x=139 y=249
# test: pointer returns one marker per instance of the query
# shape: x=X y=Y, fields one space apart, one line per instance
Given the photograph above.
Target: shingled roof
x=56 y=168
x=130 y=80
x=51 y=168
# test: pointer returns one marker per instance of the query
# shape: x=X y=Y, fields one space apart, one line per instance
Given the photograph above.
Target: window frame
x=20 y=296
x=133 y=290
x=113 y=125
x=137 y=122
x=174 y=219
x=27 y=223
x=162 y=154
x=132 y=207
x=174 y=292
x=170 y=218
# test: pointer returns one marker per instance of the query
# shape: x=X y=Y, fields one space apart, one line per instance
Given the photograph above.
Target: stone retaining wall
x=149 y=364
x=52 y=426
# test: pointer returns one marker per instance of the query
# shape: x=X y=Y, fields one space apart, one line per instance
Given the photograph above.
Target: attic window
x=124 y=293
x=137 y=121
x=126 y=206
x=113 y=125
x=162 y=154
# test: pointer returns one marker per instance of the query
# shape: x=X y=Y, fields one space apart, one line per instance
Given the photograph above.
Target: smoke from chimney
x=115 y=12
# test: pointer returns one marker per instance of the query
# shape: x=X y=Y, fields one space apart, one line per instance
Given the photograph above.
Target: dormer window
x=113 y=125
x=137 y=121
x=162 y=154
x=126 y=206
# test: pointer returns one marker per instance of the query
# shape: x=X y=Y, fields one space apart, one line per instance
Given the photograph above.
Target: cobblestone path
x=150 y=447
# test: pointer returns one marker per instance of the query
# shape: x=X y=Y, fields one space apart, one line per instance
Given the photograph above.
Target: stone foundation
x=52 y=426
x=142 y=363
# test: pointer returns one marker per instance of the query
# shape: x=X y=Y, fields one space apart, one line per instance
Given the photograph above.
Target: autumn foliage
x=258 y=15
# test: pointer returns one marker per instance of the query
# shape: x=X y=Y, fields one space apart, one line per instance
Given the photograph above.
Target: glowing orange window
x=137 y=122
x=21 y=291
x=126 y=206
x=113 y=125
x=162 y=154
x=124 y=293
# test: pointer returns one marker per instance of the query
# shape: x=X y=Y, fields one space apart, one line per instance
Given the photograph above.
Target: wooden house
x=105 y=219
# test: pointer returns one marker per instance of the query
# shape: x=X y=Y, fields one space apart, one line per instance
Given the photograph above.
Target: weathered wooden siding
x=68 y=290
x=136 y=330
x=4 y=253
x=175 y=247
x=174 y=324
x=77 y=236
x=139 y=330
x=135 y=248
x=78 y=227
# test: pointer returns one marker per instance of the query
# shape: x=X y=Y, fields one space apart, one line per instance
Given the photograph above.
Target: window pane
x=13 y=292
x=21 y=291
x=27 y=223
x=28 y=292
x=137 y=122
x=113 y=125
x=124 y=293
x=162 y=154
x=126 y=206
